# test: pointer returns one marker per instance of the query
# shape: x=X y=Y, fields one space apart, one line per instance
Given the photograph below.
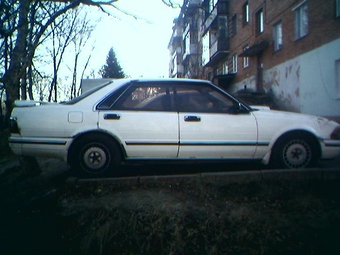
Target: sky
x=141 y=45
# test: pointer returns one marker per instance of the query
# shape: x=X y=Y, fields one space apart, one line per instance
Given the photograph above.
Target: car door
x=214 y=125
x=144 y=120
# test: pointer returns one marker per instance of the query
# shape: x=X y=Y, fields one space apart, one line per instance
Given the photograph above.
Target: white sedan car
x=167 y=119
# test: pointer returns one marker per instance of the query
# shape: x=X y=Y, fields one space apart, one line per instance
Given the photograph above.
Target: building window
x=235 y=63
x=205 y=49
x=337 y=77
x=186 y=43
x=213 y=36
x=337 y=6
x=301 y=20
x=209 y=6
x=245 y=59
x=246 y=13
x=278 y=36
x=233 y=26
x=259 y=22
x=225 y=68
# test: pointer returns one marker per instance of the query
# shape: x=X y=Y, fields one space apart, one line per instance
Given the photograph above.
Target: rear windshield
x=87 y=93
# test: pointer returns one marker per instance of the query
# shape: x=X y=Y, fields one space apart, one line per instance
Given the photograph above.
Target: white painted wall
x=283 y=81
x=319 y=93
x=308 y=83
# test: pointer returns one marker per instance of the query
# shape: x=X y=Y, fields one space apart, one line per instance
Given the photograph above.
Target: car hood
x=283 y=121
x=260 y=108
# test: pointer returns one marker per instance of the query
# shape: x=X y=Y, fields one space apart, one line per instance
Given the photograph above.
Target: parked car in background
x=167 y=119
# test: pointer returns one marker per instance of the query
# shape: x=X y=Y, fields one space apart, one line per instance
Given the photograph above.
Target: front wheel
x=295 y=151
x=94 y=155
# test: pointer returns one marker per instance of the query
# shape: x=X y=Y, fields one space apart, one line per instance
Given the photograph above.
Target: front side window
x=198 y=98
x=278 y=43
x=301 y=20
x=337 y=9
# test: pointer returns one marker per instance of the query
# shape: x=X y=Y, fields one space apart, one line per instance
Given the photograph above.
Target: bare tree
x=21 y=26
x=62 y=33
x=82 y=34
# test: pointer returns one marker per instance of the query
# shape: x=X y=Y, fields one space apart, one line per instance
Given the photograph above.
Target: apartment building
x=288 y=49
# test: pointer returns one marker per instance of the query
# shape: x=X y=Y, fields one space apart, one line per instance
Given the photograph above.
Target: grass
x=256 y=218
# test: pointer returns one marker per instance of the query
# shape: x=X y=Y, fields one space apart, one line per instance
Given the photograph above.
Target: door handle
x=192 y=118
x=111 y=116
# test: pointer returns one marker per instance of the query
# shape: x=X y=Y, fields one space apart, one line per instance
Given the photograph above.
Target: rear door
x=144 y=120
x=213 y=126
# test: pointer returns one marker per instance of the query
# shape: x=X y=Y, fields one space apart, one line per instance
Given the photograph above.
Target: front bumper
x=330 y=149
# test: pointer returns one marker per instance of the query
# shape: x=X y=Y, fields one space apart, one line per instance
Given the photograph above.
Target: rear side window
x=108 y=101
x=146 y=97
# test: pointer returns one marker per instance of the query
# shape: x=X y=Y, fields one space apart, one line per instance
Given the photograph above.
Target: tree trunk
x=14 y=73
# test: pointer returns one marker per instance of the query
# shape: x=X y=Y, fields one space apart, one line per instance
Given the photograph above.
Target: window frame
x=245 y=59
x=246 y=13
x=234 y=63
x=301 y=12
x=233 y=25
x=186 y=43
x=259 y=21
x=337 y=77
x=278 y=39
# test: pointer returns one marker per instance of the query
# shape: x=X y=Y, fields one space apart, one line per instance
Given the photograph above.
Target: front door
x=213 y=125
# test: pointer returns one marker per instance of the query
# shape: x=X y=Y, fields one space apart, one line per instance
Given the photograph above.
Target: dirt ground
x=49 y=214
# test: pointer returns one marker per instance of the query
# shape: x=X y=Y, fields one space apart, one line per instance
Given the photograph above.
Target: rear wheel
x=296 y=150
x=94 y=155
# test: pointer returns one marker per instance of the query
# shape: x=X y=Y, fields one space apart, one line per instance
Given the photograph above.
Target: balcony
x=218 y=50
x=191 y=50
x=177 y=71
x=221 y=9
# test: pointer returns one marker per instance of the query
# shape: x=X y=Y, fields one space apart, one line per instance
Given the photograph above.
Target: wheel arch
x=93 y=132
x=298 y=133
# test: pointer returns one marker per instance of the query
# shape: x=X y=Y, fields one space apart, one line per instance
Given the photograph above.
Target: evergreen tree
x=112 y=68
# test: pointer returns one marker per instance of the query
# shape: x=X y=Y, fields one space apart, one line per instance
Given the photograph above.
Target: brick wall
x=323 y=28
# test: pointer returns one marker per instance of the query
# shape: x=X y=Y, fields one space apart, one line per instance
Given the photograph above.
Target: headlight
x=336 y=134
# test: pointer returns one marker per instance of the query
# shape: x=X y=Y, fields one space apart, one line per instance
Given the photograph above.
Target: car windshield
x=86 y=94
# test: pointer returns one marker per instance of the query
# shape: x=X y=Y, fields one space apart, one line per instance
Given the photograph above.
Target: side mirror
x=239 y=108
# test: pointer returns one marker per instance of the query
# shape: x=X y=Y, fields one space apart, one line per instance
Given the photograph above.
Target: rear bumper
x=36 y=147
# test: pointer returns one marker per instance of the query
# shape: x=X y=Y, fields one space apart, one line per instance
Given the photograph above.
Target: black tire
x=94 y=155
x=295 y=150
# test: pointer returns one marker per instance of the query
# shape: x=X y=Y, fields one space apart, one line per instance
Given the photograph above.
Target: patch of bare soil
x=47 y=215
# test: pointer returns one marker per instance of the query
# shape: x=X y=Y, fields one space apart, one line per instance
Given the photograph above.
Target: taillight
x=13 y=126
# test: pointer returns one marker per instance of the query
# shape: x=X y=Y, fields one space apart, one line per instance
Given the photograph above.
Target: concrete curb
x=219 y=178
